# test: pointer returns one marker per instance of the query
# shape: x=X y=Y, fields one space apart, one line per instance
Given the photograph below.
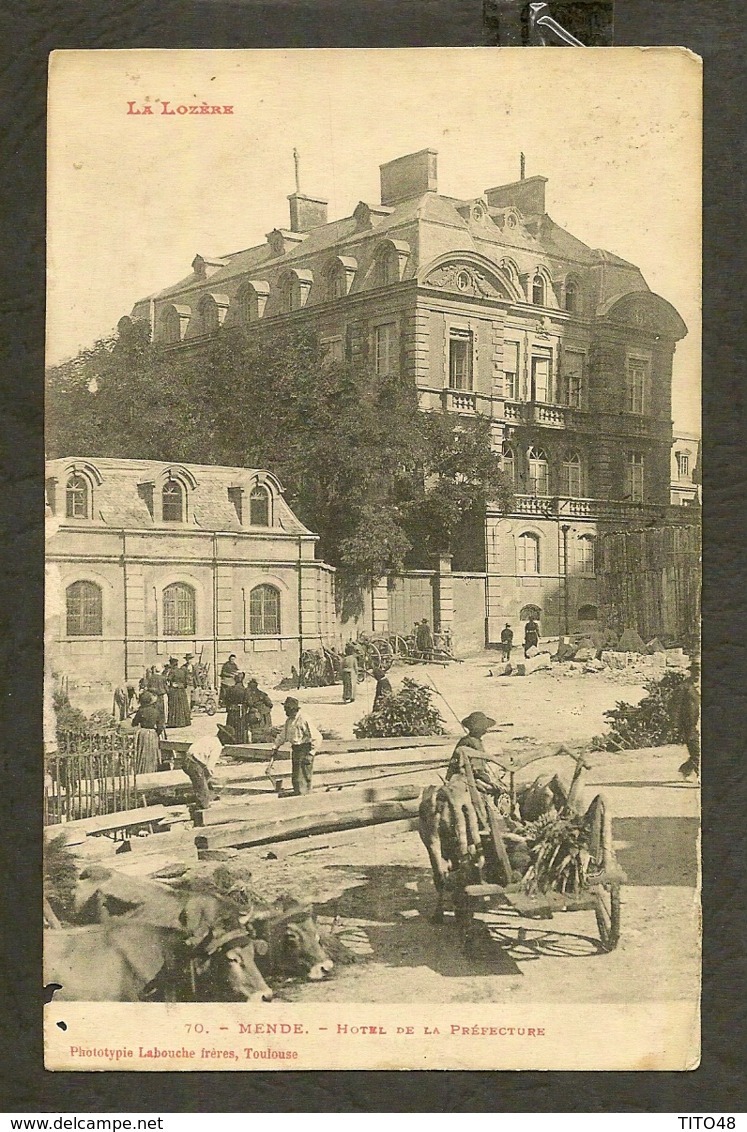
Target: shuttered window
x=511 y=371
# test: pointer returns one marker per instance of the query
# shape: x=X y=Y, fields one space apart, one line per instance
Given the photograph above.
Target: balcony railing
x=460 y=400
x=559 y=507
x=583 y=420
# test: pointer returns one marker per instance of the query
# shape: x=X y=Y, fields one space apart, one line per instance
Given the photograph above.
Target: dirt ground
x=375 y=884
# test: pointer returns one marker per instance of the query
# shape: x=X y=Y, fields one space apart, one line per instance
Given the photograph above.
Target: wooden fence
x=91 y=773
x=649 y=580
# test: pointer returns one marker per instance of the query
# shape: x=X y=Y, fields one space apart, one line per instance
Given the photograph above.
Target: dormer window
x=77 y=497
x=172 y=502
x=336 y=282
x=571 y=296
x=259 y=507
x=538 y=291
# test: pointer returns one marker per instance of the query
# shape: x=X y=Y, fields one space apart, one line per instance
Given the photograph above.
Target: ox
x=125 y=961
x=195 y=946
x=294 y=947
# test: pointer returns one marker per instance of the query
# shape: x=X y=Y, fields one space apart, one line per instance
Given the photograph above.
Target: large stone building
x=148 y=559
x=487 y=306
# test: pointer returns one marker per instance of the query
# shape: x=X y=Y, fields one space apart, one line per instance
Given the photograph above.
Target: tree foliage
x=381 y=482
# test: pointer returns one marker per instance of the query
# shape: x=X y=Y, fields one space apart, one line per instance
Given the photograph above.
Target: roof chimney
x=527 y=195
x=409 y=176
x=306 y=212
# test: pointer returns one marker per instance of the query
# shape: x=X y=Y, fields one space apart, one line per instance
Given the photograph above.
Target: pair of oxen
x=141 y=941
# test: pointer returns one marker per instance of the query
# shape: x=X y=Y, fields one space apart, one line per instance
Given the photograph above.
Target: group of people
x=531 y=638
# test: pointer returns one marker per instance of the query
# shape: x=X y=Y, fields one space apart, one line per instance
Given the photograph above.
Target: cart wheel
x=608 y=915
x=210 y=708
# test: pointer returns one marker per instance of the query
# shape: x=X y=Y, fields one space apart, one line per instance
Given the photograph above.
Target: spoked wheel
x=607 y=912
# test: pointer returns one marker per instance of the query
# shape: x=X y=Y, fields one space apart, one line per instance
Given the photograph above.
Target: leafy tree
x=381 y=482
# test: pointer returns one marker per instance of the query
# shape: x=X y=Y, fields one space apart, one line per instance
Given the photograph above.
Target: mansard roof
x=492 y=225
x=118 y=503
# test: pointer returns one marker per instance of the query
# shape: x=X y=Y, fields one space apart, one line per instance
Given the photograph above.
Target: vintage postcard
x=373 y=560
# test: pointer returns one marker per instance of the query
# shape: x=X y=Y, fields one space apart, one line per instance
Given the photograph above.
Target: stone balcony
x=609 y=510
x=582 y=420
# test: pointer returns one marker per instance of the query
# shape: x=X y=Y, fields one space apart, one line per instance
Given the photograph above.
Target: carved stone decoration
x=464 y=279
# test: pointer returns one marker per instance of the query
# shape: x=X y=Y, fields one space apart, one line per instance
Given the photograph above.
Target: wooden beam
x=104 y=823
x=284 y=829
x=320 y=801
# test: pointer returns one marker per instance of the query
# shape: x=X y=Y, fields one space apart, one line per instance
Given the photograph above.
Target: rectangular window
x=634 y=477
x=511 y=371
x=460 y=359
x=541 y=378
x=385 y=338
x=528 y=554
x=573 y=366
x=586 y=564
x=683 y=465
x=572 y=477
x=334 y=350
x=636 y=385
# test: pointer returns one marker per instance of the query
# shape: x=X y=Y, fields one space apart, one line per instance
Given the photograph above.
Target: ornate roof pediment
x=473 y=280
x=647 y=311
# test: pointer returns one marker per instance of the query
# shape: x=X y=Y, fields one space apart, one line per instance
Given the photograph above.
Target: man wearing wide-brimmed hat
x=202 y=758
x=487 y=779
x=304 y=740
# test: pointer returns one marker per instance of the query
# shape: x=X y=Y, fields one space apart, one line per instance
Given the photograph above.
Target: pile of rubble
x=626 y=658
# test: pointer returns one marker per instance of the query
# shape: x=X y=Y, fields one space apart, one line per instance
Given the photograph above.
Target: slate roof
x=117 y=502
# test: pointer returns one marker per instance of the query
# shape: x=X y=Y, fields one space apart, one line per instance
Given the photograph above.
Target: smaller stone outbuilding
x=148 y=559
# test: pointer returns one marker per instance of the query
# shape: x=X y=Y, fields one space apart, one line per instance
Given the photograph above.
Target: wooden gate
x=411 y=598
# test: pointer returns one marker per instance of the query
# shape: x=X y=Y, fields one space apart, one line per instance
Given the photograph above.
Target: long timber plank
x=251 y=833
x=286 y=809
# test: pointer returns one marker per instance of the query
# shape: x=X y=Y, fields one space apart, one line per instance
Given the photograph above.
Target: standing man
x=507 y=640
x=304 y=740
x=201 y=760
x=349 y=672
x=688 y=719
x=424 y=640
x=531 y=635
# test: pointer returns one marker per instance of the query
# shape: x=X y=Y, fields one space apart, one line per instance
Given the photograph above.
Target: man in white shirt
x=304 y=740
x=201 y=760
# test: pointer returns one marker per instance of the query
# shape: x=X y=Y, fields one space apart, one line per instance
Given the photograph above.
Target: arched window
x=264 y=612
x=259 y=507
x=572 y=478
x=588 y=613
x=84 y=610
x=179 y=610
x=529 y=553
x=532 y=611
x=571 y=295
x=209 y=320
x=172 y=502
x=509 y=462
x=246 y=300
x=171 y=325
x=290 y=293
x=387 y=267
x=76 y=497
x=336 y=281
x=586 y=555
x=539 y=472
x=538 y=290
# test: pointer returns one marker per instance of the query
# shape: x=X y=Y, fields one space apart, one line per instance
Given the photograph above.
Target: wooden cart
x=601 y=893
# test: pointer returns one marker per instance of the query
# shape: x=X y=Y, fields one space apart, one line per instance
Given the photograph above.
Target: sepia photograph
x=373 y=560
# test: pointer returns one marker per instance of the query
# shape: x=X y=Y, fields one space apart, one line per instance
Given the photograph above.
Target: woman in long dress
x=148 y=728
x=237 y=702
x=259 y=713
x=178 y=696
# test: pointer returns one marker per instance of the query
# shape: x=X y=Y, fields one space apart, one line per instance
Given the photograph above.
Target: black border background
x=29 y=30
